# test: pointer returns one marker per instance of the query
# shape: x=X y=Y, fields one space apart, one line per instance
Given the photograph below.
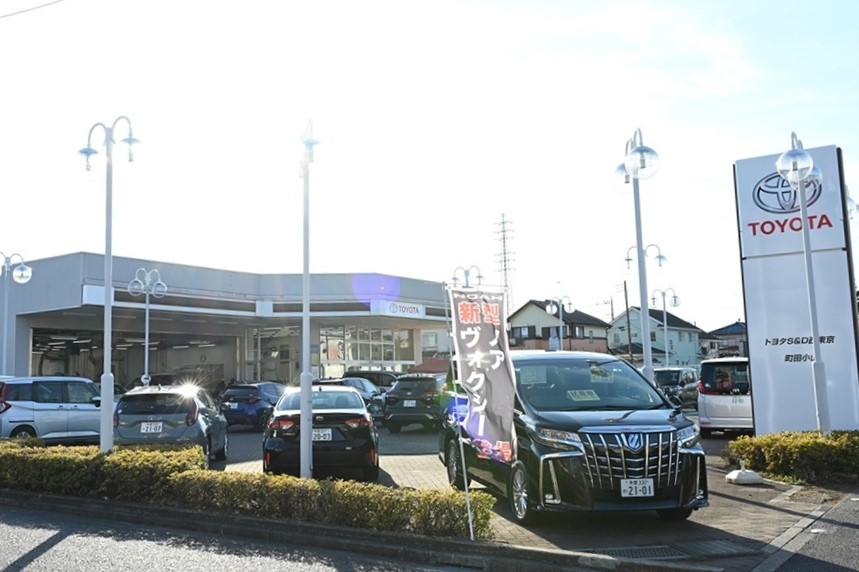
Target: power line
x=24 y=11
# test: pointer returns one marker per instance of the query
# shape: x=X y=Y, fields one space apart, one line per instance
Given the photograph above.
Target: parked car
x=414 y=398
x=373 y=396
x=725 y=395
x=344 y=435
x=381 y=379
x=680 y=382
x=178 y=414
x=250 y=403
x=592 y=434
x=57 y=409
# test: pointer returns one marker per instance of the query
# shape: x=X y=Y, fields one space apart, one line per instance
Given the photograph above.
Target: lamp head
x=796 y=164
x=642 y=162
x=22 y=273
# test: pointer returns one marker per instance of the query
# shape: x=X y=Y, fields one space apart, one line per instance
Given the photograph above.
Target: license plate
x=150 y=427
x=322 y=434
x=409 y=403
x=233 y=405
x=636 y=487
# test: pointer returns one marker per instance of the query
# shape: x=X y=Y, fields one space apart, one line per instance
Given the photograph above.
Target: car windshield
x=667 y=377
x=568 y=385
x=414 y=385
x=159 y=403
x=240 y=392
x=726 y=378
x=322 y=400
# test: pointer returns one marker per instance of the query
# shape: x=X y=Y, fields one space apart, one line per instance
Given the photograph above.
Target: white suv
x=725 y=395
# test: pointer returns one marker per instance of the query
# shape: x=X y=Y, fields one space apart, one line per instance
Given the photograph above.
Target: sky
x=437 y=120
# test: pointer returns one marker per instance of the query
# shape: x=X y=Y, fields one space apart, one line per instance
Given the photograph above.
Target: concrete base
x=744 y=477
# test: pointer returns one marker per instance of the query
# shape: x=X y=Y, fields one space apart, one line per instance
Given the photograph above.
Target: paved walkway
x=742 y=527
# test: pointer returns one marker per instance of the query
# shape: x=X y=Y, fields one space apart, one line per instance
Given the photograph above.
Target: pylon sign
x=775 y=290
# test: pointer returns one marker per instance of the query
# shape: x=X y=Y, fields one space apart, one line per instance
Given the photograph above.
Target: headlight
x=557 y=439
x=688 y=436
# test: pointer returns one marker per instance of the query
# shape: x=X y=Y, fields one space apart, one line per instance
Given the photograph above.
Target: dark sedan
x=344 y=436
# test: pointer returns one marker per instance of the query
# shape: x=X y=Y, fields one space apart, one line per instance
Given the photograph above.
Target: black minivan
x=592 y=434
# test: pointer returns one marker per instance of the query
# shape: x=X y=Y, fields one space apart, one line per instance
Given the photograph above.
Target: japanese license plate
x=150 y=427
x=322 y=434
x=409 y=403
x=233 y=405
x=636 y=487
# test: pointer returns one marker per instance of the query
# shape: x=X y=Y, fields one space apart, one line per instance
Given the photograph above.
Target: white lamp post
x=640 y=163
x=306 y=378
x=21 y=274
x=466 y=275
x=106 y=427
x=660 y=258
x=147 y=283
x=559 y=305
x=797 y=167
x=675 y=301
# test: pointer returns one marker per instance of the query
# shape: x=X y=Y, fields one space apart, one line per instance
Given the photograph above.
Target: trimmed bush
x=174 y=475
x=806 y=457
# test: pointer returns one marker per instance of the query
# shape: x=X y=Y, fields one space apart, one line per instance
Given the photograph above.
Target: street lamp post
x=675 y=301
x=559 y=305
x=466 y=275
x=106 y=426
x=797 y=167
x=147 y=283
x=640 y=163
x=21 y=274
x=306 y=378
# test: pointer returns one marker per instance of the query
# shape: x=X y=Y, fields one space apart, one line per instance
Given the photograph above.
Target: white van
x=58 y=409
x=725 y=395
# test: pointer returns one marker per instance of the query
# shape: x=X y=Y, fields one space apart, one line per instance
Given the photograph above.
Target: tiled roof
x=576 y=317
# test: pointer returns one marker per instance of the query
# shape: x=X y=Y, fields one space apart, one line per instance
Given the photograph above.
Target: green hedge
x=805 y=457
x=175 y=476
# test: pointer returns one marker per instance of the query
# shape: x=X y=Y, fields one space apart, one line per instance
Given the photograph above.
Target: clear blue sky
x=435 y=118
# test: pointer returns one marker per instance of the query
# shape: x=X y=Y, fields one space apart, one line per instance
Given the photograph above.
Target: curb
x=480 y=555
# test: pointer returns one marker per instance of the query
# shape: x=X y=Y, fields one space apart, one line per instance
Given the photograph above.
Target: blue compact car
x=250 y=403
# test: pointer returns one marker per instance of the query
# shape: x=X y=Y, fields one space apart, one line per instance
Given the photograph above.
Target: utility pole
x=505 y=260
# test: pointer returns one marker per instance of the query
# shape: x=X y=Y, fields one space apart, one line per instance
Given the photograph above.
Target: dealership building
x=216 y=324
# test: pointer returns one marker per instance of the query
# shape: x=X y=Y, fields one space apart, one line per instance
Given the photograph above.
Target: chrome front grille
x=634 y=455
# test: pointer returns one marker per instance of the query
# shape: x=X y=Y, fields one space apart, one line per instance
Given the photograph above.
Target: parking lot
x=739 y=529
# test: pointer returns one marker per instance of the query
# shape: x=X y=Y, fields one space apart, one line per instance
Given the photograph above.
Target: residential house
x=676 y=344
x=732 y=340
x=533 y=327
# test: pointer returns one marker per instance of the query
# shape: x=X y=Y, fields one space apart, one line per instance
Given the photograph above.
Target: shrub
x=805 y=456
x=174 y=475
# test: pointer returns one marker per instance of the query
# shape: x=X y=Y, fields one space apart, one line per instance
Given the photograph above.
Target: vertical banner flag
x=485 y=370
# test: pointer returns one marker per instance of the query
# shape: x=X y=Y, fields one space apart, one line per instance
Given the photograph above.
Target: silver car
x=174 y=414
x=57 y=409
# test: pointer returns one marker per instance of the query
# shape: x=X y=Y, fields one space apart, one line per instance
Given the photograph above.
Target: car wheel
x=674 y=514
x=23 y=431
x=455 y=468
x=222 y=454
x=706 y=433
x=393 y=427
x=517 y=495
x=262 y=421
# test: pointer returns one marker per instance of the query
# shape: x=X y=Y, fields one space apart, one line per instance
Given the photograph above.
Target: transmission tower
x=506 y=258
